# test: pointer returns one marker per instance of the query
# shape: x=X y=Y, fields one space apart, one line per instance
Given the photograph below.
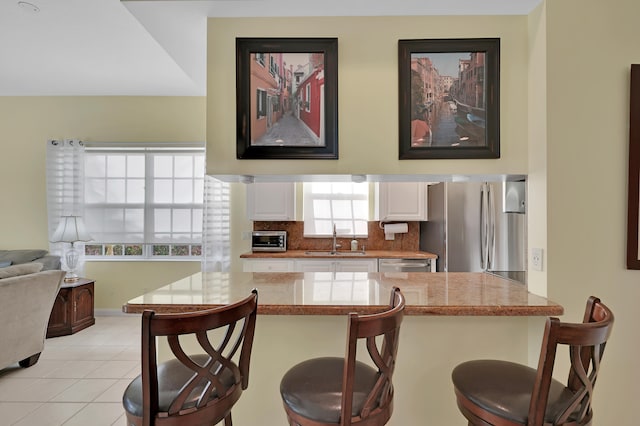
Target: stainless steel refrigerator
x=477 y=226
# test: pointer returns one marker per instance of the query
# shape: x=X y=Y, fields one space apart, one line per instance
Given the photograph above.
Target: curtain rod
x=138 y=145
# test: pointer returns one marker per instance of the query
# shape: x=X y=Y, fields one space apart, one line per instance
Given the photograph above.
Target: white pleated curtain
x=216 y=240
x=65 y=190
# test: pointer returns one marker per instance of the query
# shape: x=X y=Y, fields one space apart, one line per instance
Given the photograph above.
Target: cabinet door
x=364 y=265
x=60 y=318
x=402 y=201
x=331 y=265
x=271 y=201
x=82 y=304
x=318 y=265
x=268 y=265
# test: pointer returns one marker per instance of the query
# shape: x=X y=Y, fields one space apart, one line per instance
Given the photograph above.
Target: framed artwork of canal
x=449 y=98
x=633 y=216
x=287 y=98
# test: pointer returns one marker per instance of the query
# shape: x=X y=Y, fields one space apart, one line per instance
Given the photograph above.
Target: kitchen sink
x=334 y=253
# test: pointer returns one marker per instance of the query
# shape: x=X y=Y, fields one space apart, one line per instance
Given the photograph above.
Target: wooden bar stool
x=193 y=389
x=345 y=391
x=503 y=393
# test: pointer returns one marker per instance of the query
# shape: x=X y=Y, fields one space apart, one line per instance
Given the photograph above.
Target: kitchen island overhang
x=339 y=293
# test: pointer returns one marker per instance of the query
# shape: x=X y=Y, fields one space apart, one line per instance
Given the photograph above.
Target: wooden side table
x=73 y=308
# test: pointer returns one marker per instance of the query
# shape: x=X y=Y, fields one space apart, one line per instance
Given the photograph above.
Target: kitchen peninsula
x=304 y=315
x=338 y=293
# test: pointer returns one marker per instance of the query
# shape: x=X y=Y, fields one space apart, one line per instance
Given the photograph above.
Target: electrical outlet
x=536 y=259
x=246 y=235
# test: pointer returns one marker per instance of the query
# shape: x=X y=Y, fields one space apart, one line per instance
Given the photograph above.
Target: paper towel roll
x=396 y=228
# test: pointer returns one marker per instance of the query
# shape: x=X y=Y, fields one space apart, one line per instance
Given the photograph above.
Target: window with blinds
x=344 y=204
x=144 y=201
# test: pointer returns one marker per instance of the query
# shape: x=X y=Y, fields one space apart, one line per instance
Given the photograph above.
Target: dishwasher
x=404 y=265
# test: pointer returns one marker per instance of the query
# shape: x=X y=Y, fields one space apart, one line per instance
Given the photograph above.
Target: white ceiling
x=157 y=48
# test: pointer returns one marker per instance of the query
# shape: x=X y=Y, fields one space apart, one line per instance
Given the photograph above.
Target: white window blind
x=65 y=183
x=344 y=204
x=146 y=194
x=216 y=244
x=65 y=180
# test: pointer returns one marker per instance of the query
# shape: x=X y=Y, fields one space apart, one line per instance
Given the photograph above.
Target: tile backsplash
x=296 y=241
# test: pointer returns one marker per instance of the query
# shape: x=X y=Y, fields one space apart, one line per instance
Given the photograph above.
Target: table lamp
x=70 y=230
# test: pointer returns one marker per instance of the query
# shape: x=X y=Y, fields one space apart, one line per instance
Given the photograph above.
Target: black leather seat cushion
x=504 y=388
x=313 y=388
x=172 y=375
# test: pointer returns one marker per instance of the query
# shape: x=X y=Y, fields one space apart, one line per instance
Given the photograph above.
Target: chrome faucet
x=335 y=246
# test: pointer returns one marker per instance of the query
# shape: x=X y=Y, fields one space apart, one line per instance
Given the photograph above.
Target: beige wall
x=368 y=135
x=590 y=47
x=367 y=98
x=537 y=175
x=430 y=347
x=564 y=121
x=537 y=145
x=27 y=123
x=367 y=92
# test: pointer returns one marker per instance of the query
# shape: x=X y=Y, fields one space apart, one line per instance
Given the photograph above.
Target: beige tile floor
x=79 y=379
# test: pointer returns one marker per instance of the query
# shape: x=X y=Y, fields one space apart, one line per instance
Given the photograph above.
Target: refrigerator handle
x=491 y=244
x=484 y=248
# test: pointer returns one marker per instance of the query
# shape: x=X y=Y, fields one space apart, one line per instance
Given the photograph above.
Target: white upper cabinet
x=271 y=201
x=402 y=201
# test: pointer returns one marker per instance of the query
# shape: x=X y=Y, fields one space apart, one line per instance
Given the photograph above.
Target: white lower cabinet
x=309 y=265
x=314 y=265
x=268 y=265
x=332 y=265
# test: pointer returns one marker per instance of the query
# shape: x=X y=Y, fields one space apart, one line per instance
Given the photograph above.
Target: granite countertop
x=327 y=293
x=368 y=254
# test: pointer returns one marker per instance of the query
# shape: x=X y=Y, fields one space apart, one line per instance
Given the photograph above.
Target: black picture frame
x=287 y=98
x=449 y=98
x=633 y=203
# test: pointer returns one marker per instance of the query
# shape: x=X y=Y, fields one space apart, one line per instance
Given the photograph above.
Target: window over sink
x=343 y=204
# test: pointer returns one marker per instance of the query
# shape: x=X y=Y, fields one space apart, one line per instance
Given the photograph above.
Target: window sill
x=141 y=259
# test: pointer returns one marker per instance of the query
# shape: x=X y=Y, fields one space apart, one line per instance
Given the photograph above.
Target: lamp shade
x=69 y=230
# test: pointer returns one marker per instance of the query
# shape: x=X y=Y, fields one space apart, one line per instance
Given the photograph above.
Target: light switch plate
x=536 y=259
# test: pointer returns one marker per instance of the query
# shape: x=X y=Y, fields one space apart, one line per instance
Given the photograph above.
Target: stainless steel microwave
x=269 y=241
